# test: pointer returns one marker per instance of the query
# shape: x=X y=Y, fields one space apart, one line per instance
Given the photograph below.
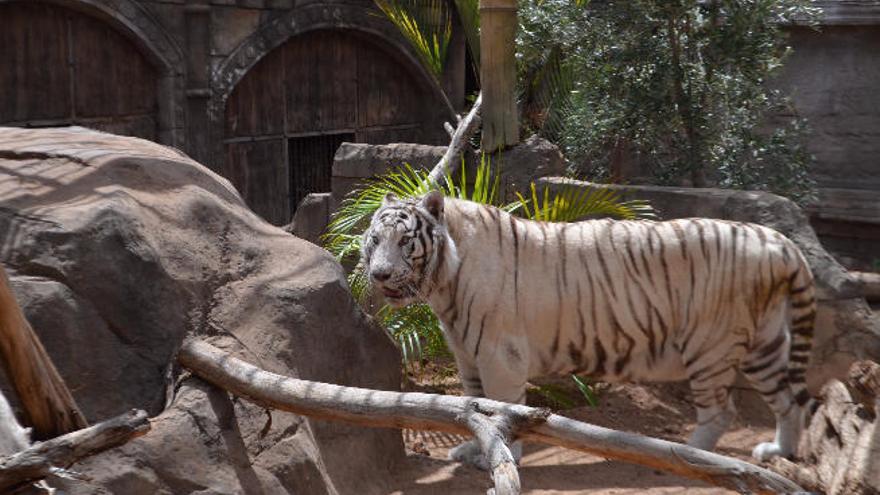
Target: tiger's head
x=401 y=249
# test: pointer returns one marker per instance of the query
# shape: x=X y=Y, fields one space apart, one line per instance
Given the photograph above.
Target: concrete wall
x=833 y=77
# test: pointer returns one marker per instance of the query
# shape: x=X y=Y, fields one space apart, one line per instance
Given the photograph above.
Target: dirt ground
x=662 y=411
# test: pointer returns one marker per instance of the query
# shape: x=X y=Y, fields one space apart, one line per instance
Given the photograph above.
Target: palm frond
x=547 y=93
x=416 y=330
x=426 y=25
x=469 y=14
x=484 y=188
x=572 y=203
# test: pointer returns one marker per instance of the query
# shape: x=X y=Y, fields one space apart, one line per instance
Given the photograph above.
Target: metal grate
x=311 y=162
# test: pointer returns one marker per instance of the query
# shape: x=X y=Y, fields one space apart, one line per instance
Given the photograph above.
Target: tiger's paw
x=469 y=453
x=768 y=450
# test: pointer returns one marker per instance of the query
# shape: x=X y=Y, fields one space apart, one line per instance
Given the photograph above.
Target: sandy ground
x=658 y=410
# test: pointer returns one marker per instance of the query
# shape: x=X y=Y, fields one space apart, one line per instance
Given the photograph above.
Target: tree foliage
x=682 y=86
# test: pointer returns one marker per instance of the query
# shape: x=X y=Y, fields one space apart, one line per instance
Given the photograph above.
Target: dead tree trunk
x=451 y=414
x=458 y=140
x=45 y=458
x=841 y=447
x=49 y=407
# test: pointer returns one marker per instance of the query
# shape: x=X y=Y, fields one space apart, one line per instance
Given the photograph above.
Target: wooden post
x=498 y=74
x=49 y=407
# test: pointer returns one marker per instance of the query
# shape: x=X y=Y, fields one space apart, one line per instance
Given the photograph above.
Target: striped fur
x=693 y=299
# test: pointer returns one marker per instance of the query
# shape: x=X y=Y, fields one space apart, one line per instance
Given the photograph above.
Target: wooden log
x=42 y=459
x=48 y=405
x=870 y=284
x=864 y=384
x=444 y=413
x=840 y=449
x=498 y=25
x=493 y=434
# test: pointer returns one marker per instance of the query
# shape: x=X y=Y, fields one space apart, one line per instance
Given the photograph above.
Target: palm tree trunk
x=498 y=74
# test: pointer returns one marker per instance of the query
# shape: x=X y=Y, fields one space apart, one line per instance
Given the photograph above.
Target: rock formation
x=117 y=248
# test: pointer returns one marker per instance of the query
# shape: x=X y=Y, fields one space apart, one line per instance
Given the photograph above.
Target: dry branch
x=870 y=284
x=463 y=132
x=493 y=434
x=445 y=413
x=840 y=448
x=48 y=405
x=42 y=459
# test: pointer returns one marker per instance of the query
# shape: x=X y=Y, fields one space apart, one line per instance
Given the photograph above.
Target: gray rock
x=527 y=162
x=311 y=217
x=356 y=162
x=120 y=247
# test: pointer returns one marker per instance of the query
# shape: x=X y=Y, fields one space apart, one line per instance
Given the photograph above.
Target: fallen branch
x=447 y=413
x=48 y=405
x=493 y=434
x=870 y=284
x=839 y=447
x=463 y=132
x=43 y=459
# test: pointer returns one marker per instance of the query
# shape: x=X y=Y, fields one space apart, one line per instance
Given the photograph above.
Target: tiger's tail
x=802 y=304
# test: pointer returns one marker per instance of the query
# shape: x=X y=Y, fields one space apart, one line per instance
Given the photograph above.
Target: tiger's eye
x=374 y=239
x=403 y=242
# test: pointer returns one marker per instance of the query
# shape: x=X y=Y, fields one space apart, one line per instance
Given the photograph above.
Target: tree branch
x=493 y=434
x=446 y=413
x=463 y=132
x=42 y=459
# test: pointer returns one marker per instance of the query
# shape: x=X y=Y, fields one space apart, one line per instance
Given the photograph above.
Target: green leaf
x=555 y=395
x=586 y=390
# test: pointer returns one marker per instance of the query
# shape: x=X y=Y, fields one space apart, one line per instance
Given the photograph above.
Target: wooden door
x=61 y=67
x=295 y=106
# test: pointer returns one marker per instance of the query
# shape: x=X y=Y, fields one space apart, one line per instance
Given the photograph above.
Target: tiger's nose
x=380 y=275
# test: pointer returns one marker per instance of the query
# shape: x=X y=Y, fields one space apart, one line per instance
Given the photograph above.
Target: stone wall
x=833 y=78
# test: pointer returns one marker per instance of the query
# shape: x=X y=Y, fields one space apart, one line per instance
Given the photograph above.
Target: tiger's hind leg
x=766 y=368
x=710 y=386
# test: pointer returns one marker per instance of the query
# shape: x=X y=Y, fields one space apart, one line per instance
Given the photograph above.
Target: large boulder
x=118 y=248
x=521 y=164
x=846 y=330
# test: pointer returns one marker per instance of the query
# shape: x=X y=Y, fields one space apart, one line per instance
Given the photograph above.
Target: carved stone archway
x=300 y=20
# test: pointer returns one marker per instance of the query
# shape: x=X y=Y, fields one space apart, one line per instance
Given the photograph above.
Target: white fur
x=691 y=299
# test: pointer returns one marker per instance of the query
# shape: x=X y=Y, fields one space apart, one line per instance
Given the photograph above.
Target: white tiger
x=692 y=299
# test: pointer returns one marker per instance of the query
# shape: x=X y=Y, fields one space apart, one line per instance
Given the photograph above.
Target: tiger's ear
x=389 y=199
x=433 y=202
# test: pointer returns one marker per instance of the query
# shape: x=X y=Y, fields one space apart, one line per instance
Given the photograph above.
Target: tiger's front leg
x=501 y=380
x=469 y=452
